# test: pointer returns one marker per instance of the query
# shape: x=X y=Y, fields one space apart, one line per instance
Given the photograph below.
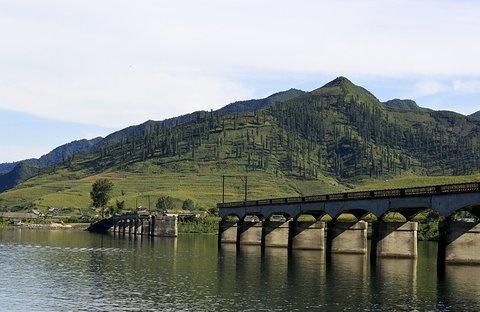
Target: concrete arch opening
x=231 y=218
x=354 y=215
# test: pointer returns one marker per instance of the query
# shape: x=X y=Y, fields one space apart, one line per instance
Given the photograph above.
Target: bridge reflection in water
x=276 y=223
x=300 y=275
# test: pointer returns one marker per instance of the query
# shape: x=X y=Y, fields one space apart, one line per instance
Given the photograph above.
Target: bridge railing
x=470 y=187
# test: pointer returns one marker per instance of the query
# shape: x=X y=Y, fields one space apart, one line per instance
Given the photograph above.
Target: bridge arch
x=231 y=217
x=308 y=216
x=359 y=214
x=284 y=214
x=450 y=204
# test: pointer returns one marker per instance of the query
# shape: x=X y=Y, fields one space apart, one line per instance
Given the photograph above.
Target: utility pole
x=246 y=187
x=223 y=189
x=243 y=178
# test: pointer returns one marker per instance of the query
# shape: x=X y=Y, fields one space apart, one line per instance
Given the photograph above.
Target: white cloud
x=11 y=153
x=455 y=87
x=466 y=86
x=117 y=62
x=429 y=87
x=120 y=100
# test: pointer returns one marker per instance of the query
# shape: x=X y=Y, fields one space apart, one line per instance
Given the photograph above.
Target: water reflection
x=347 y=279
x=394 y=277
x=460 y=286
x=57 y=270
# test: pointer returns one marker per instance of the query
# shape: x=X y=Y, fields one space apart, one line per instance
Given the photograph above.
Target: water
x=62 y=271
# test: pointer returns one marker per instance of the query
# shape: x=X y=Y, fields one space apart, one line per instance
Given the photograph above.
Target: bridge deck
x=472 y=187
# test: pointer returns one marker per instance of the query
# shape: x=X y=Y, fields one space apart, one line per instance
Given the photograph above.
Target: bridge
x=138 y=224
x=275 y=222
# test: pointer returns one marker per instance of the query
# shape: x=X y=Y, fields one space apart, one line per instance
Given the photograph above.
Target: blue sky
x=81 y=68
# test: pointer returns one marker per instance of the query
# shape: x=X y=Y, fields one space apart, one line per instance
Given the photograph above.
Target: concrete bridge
x=138 y=224
x=275 y=222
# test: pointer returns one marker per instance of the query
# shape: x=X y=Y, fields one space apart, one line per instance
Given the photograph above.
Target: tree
x=165 y=203
x=100 y=194
x=188 y=204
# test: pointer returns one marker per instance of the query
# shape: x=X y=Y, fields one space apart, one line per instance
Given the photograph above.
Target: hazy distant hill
x=25 y=169
x=293 y=142
x=6 y=167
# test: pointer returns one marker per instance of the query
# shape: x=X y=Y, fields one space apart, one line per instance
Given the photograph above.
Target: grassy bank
x=206 y=225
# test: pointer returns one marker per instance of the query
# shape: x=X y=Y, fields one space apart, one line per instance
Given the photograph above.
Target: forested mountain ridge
x=339 y=129
x=23 y=170
x=339 y=132
x=13 y=173
x=475 y=115
x=409 y=105
x=6 y=167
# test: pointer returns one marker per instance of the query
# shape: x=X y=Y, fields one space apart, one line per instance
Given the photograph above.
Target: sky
x=83 y=68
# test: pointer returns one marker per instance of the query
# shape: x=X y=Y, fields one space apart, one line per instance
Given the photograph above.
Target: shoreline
x=50 y=226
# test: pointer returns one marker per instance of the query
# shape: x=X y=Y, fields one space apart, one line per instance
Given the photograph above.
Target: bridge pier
x=146 y=226
x=250 y=232
x=275 y=233
x=347 y=237
x=138 y=227
x=123 y=226
x=459 y=242
x=130 y=226
x=227 y=232
x=394 y=239
x=165 y=226
x=307 y=235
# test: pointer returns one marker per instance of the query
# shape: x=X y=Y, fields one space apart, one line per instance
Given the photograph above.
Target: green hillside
x=334 y=138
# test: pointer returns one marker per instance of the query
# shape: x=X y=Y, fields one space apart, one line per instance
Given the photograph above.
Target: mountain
x=253 y=105
x=14 y=173
x=405 y=105
x=335 y=137
x=475 y=115
x=6 y=167
x=26 y=169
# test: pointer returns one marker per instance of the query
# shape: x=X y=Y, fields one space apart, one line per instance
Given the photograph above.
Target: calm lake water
x=63 y=271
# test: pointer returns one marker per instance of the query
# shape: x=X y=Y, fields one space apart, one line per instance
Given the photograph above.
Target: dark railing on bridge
x=405 y=192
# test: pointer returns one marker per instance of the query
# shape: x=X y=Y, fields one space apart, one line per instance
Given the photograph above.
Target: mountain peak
x=341 y=86
x=339 y=82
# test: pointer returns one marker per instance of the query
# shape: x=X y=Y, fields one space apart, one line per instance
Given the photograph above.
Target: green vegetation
x=205 y=225
x=165 y=203
x=188 y=204
x=333 y=139
x=101 y=193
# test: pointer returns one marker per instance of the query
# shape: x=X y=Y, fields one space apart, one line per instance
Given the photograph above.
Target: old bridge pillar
x=394 y=239
x=138 y=226
x=249 y=232
x=165 y=226
x=347 y=237
x=145 y=226
x=227 y=232
x=130 y=226
x=307 y=235
x=459 y=242
x=123 y=226
x=275 y=233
